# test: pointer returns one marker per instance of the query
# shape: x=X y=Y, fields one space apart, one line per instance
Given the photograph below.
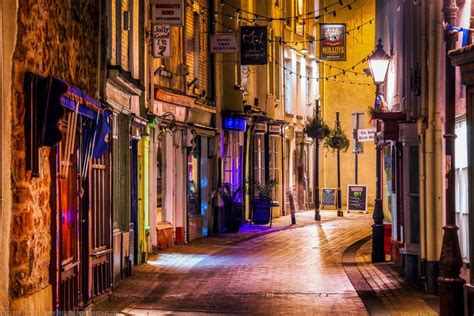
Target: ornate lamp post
x=450 y=284
x=378 y=62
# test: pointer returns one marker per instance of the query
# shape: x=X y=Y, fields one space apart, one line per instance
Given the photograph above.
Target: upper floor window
x=197 y=47
x=288 y=87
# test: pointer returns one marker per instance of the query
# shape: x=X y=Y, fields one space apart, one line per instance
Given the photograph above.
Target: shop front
x=184 y=154
x=233 y=163
x=301 y=166
x=76 y=126
x=123 y=99
x=199 y=170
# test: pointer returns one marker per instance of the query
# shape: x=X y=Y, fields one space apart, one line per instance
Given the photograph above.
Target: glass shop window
x=273 y=167
x=194 y=176
x=233 y=151
x=259 y=157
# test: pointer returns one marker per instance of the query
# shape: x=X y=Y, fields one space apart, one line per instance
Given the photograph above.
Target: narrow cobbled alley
x=285 y=270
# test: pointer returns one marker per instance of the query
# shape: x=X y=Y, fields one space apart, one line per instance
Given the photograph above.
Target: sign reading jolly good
x=168 y=12
x=161 y=41
x=333 y=42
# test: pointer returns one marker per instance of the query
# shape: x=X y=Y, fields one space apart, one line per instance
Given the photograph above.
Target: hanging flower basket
x=337 y=140
x=316 y=128
x=373 y=112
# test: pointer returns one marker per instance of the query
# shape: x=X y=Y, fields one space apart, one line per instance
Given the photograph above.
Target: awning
x=47 y=100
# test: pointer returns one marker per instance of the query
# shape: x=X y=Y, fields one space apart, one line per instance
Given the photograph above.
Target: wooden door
x=66 y=253
x=99 y=229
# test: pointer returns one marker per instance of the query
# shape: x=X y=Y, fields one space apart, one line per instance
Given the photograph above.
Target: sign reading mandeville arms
x=333 y=42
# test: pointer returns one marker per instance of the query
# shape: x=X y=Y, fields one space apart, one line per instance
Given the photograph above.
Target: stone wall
x=59 y=38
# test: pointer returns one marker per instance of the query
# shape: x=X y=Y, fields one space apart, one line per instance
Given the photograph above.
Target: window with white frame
x=259 y=157
x=309 y=87
x=233 y=148
x=273 y=166
x=288 y=87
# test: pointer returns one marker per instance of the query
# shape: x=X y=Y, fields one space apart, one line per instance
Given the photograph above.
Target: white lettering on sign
x=366 y=135
x=168 y=12
x=224 y=43
x=161 y=41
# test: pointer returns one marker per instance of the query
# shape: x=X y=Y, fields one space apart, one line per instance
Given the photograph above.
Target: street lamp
x=378 y=62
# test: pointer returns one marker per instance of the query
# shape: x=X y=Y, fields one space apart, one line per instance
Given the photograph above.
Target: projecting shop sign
x=168 y=12
x=224 y=43
x=333 y=41
x=366 y=135
x=161 y=41
x=253 y=45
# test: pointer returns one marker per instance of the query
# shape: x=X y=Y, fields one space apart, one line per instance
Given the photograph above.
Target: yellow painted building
x=349 y=92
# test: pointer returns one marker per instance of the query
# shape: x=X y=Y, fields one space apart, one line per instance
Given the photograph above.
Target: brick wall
x=56 y=39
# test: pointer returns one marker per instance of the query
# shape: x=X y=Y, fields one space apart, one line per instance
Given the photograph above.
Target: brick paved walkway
x=280 y=270
x=397 y=296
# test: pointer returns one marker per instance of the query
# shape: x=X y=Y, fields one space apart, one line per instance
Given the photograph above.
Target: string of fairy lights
x=285 y=43
x=301 y=17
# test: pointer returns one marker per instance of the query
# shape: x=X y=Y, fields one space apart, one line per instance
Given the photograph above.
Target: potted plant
x=337 y=140
x=262 y=203
x=316 y=128
x=233 y=209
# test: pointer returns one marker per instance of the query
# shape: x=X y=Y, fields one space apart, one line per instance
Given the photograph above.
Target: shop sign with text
x=253 y=45
x=168 y=12
x=161 y=41
x=224 y=43
x=333 y=42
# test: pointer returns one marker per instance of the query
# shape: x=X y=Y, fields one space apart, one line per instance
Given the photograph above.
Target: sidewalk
x=385 y=290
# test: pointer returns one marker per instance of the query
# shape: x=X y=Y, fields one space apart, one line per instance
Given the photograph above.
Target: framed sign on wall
x=333 y=42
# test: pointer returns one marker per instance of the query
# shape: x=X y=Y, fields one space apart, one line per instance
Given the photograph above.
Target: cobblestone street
x=291 y=270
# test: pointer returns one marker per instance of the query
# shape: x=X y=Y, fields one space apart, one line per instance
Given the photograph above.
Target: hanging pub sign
x=357 y=198
x=224 y=43
x=253 y=45
x=161 y=41
x=168 y=12
x=333 y=42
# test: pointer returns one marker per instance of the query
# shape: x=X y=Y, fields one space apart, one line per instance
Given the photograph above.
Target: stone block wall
x=58 y=38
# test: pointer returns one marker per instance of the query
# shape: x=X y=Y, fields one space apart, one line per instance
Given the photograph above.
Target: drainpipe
x=421 y=127
x=432 y=180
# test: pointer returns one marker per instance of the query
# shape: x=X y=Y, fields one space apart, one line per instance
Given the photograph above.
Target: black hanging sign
x=357 y=198
x=328 y=198
x=333 y=41
x=253 y=45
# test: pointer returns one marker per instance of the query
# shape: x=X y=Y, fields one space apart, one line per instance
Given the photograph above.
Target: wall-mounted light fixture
x=162 y=72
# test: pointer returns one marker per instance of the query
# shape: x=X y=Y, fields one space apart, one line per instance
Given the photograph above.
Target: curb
x=372 y=302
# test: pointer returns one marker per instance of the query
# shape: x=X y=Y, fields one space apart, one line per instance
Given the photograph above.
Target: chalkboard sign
x=329 y=197
x=357 y=198
x=262 y=211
